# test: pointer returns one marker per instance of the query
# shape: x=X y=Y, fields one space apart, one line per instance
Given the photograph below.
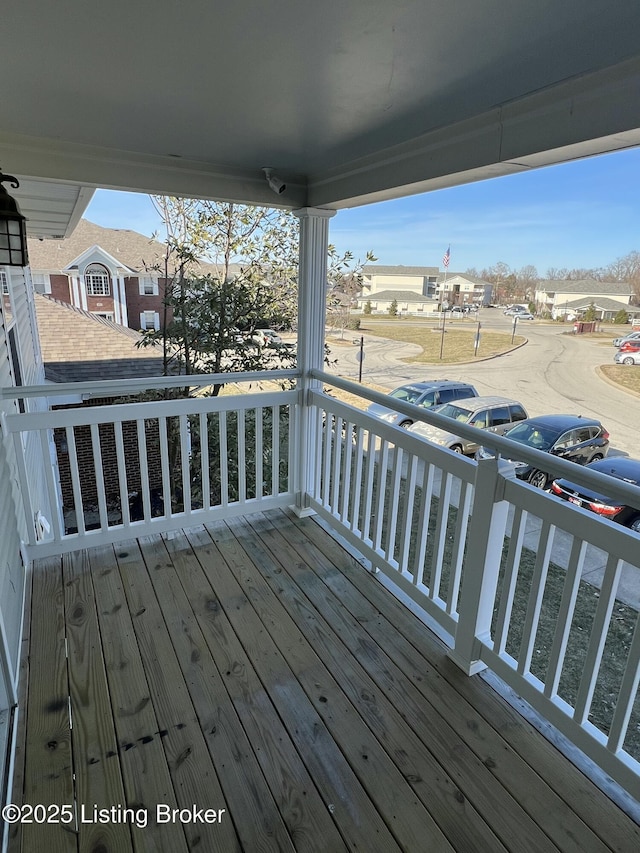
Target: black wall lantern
x=13 y=233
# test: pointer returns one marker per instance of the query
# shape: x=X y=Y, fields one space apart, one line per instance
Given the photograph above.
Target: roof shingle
x=77 y=345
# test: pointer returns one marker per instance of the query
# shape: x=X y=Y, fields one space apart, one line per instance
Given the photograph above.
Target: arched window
x=97 y=280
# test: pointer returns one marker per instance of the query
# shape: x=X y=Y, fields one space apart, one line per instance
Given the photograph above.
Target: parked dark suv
x=620 y=468
x=572 y=437
x=424 y=394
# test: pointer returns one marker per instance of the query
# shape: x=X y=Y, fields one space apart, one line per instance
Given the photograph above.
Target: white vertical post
x=115 y=289
x=122 y=298
x=312 y=289
x=82 y=291
x=482 y=564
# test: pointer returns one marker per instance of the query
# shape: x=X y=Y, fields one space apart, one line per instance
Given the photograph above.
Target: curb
x=613 y=384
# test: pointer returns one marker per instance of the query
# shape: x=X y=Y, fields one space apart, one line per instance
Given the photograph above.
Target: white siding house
x=412 y=288
x=570 y=299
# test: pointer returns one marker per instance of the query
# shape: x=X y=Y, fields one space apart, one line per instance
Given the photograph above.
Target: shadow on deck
x=254 y=676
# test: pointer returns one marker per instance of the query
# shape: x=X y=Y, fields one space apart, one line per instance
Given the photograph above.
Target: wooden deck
x=254 y=670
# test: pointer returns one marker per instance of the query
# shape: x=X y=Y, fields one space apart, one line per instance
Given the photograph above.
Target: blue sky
x=580 y=214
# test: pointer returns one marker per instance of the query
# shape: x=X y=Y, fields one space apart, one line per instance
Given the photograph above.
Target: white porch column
x=122 y=299
x=312 y=303
x=82 y=290
x=75 y=292
x=115 y=289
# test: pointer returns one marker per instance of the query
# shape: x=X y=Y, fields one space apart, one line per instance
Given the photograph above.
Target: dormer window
x=97 y=280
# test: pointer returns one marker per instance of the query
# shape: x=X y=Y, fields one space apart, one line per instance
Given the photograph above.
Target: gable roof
x=471 y=278
x=89 y=256
x=78 y=346
x=129 y=249
x=373 y=270
x=398 y=295
x=604 y=303
x=587 y=285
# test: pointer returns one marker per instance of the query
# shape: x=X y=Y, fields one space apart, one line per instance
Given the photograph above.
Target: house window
x=149 y=320
x=106 y=315
x=4 y=281
x=148 y=287
x=97 y=280
x=41 y=282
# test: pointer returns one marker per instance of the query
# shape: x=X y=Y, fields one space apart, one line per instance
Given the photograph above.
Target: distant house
x=461 y=289
x=570 y=299
x=113 y=273
x=412 y=288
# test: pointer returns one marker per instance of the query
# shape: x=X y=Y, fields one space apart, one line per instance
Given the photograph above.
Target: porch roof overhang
x=350 y=102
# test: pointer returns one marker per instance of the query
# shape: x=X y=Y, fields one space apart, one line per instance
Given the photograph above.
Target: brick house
x=112 y=273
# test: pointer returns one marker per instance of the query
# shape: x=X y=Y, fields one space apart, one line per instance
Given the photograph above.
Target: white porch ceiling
x=350 y=101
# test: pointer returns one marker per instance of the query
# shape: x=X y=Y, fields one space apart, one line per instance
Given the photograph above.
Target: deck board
x=93 y=734
x=254 y=666
x=438 y=748
x=48 y=763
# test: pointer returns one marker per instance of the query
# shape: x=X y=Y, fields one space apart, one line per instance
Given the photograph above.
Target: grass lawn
x=616 y=650
x=621 y=628
x=458 y=344
x=627 y=377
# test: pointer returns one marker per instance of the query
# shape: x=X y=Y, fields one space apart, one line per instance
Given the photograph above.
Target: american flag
x=447 y=255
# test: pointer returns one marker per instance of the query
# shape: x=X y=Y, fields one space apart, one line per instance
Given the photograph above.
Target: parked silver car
x=627 y=357
x=632 y=336
x=495 y=414
x=424 y=394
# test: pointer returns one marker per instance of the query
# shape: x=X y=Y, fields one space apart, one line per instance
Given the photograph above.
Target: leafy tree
x=367 y=307
x=393 y=308
x=627 y=269
x=527 y=281
x=342 y=289
x=590 y=314
x=621 y=317
x=230 y=269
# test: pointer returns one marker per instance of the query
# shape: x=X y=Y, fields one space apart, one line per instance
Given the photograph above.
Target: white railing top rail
x=122 y=387
x=457 y=465
x=79 y=416
x=605 y=535
x=554 y=465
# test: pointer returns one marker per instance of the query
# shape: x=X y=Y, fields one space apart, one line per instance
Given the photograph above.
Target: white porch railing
x=496 y=563
x=131 y=469
x=499 y=565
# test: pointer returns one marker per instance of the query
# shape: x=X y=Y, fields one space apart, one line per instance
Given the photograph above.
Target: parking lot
x=553 y=372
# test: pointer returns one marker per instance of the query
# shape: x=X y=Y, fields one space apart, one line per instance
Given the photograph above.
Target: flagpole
x=445 y=261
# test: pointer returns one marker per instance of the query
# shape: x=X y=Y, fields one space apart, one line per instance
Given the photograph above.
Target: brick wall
x=137 y=303
x=84 y=453
x=60 y=288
